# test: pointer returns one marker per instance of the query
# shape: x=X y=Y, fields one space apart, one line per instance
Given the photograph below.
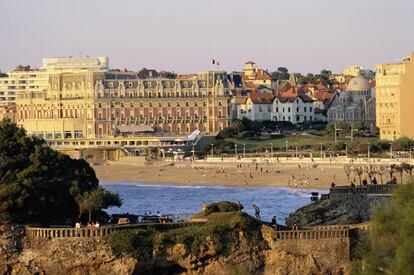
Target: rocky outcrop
x=340 y=209
x=22 y=255
x=238 y=254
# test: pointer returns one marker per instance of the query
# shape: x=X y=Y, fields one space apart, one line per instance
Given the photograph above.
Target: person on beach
x=257 y=212
x=332 y=184
x=374 y=181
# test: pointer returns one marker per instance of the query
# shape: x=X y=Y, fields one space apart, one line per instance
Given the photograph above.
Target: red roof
x=292 y=94
x=261 y=98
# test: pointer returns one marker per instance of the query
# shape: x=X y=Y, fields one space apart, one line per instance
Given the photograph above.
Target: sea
x=182 y=201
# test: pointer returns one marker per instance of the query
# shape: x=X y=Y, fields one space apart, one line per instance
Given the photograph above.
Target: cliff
x=229 y=243
x=337 y=210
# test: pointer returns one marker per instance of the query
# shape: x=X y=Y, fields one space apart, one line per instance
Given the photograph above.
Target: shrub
x=224 y=206
x=247 y=134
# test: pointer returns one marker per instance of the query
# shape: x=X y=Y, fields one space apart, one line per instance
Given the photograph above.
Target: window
x=297 y=109
x=304 y=109
x=288 y=109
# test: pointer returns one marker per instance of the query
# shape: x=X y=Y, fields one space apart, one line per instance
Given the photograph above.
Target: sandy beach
x=227 y=174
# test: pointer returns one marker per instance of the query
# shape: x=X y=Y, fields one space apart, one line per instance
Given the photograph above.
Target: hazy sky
x=183 y=35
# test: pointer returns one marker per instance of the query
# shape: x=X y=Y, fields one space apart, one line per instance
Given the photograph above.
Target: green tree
x=38 y=184
x=391 y=246
x=403 y=144
x=282 y=73
x=96 y=200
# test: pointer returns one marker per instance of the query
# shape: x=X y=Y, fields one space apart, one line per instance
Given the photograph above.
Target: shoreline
x=207 y=185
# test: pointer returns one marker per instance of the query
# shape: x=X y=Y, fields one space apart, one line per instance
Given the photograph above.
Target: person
x=374 y=181
x=97 y=224
x=204 y=207
x=295 y=226
x=394 y=180
x=364 y=182
x=257 y=212
x=352 y=184
x=273 y=221
x=78 y=226
x=332 y=184
x=239 y=206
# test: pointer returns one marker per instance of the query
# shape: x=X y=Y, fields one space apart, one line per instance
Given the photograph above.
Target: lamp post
x=192 y=151
x=391 y=151
x=346 y=151
x=235 y=150
x=271 y=150
x=321 y=149
x=352 y=132
x=296 y=149
x=336 y=135
x=369 y=153
x=212 y=151
x=287 y=145
x=244 y=150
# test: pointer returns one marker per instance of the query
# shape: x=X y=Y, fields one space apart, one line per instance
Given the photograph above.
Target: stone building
x=356 y=104
x=294 y=106
x=395 y=96
x=257 y=107
x=97 y=104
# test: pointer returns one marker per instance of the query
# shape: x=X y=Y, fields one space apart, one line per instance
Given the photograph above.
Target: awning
x=135 y=128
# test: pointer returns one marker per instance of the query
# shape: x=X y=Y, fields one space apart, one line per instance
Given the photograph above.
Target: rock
x=346 y=209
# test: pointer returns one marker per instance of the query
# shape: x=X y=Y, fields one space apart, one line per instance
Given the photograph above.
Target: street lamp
x=346 y=151
x=321 y=149
x=212 y=150
x=271 y=150
x=244 y=150
x=336 y=135
x=235 y=150
x=287 y=145
x=391 y=150
x=352 y=133
x=192 y=151
x=296 y=149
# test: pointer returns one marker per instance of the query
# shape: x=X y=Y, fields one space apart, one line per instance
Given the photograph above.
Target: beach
x=296 y=175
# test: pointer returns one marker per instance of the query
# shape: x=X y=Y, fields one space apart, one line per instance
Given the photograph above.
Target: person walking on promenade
x=257 y=212
x=374 y=181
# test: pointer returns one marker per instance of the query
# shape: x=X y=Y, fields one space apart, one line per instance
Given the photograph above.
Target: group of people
x=90 y=225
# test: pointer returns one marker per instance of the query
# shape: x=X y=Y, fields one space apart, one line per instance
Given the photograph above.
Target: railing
x=311 y=234
x=369 y=189
x=99 y=231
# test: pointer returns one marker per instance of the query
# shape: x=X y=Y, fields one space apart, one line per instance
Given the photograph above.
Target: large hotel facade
x=395 y=97
x=111 y=104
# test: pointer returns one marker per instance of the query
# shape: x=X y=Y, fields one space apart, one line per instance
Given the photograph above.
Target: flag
x=213 y=61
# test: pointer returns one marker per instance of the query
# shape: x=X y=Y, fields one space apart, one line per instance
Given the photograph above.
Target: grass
x=219 y=228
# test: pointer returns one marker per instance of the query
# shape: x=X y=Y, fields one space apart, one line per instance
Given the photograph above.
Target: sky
x=184 y=35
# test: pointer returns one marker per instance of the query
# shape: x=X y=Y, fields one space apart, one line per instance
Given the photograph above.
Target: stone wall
x=327 y=254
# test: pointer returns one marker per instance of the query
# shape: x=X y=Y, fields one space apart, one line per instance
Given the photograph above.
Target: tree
x=38 y=184
x=168 y=74
x=407 y=168
x=400 y=169
x=403 y=144
x=390 y=249
x=96 y=200
x=282 y=73
x=380 y=171
x=359 y=171
x=348 y=171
